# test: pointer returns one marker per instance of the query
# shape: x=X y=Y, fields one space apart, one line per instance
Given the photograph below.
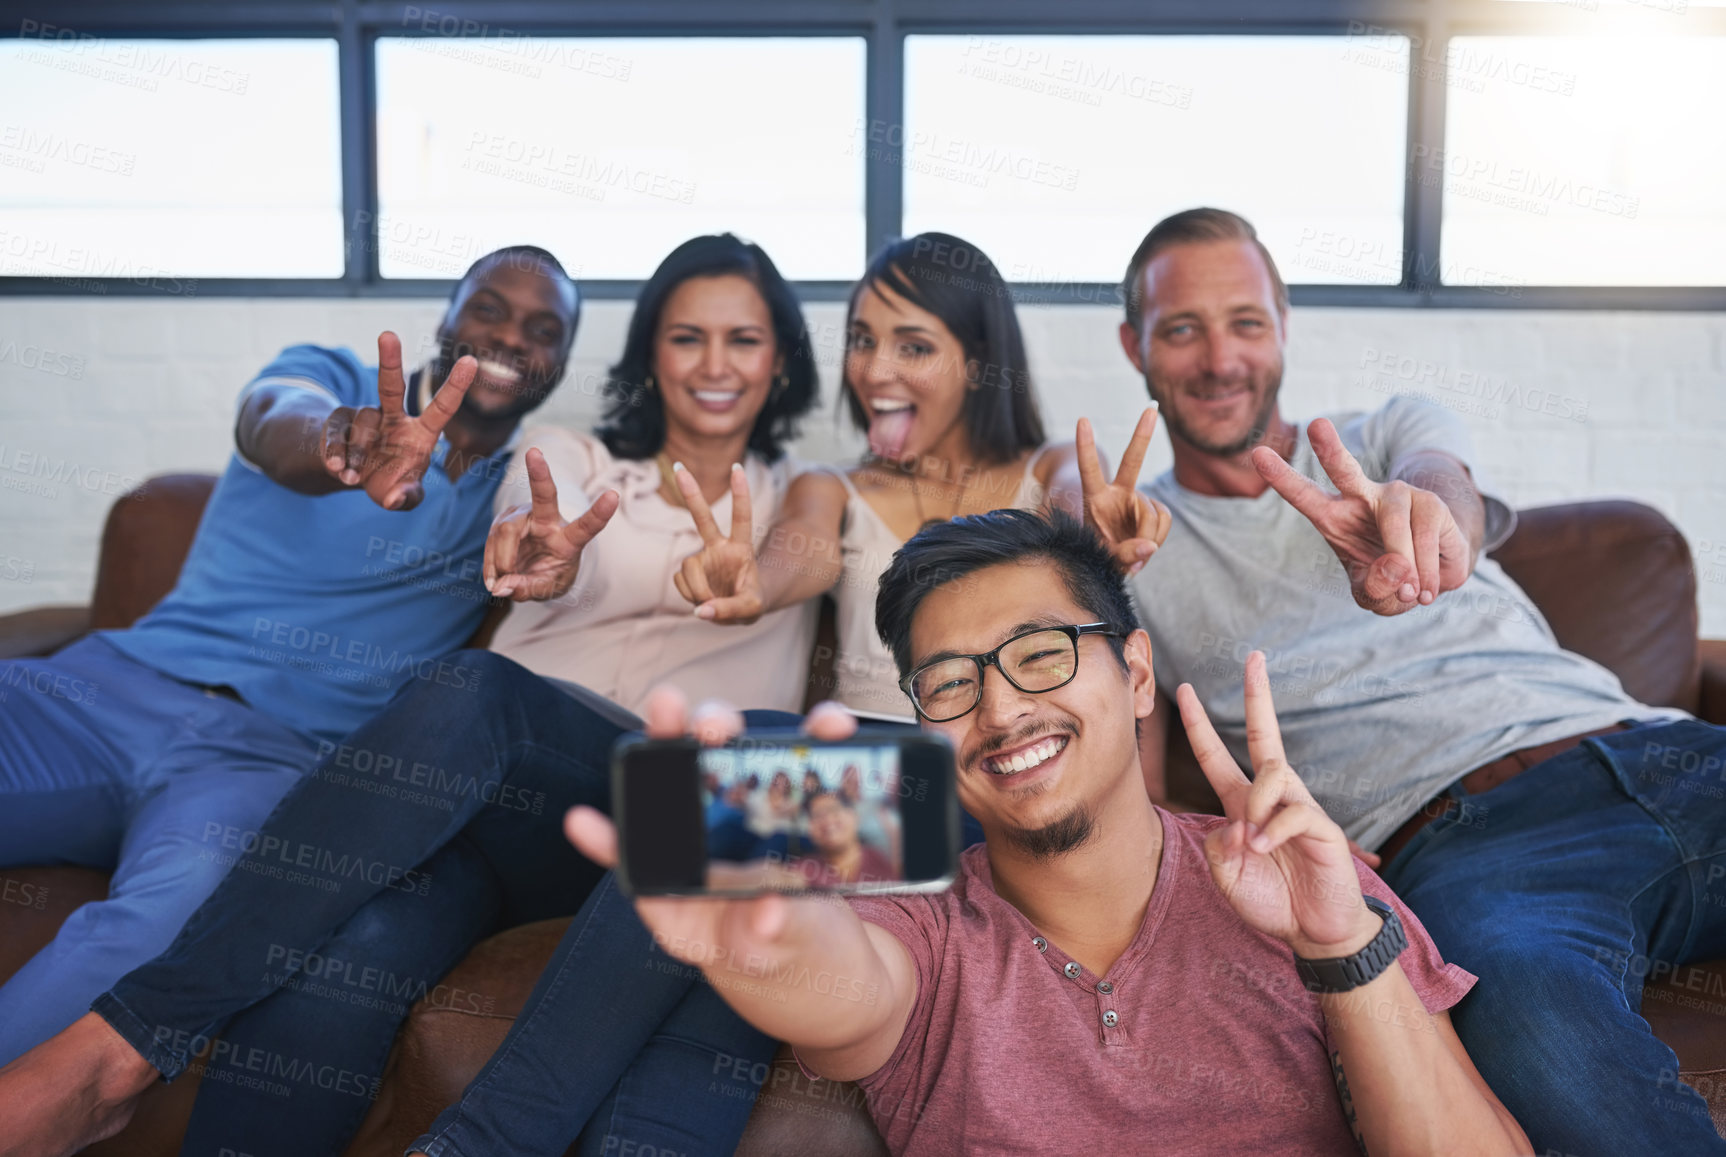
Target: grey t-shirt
x=1378 y=714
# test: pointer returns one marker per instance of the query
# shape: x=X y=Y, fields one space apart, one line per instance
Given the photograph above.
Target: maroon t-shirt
x=875 y=868
x=1201 y=1037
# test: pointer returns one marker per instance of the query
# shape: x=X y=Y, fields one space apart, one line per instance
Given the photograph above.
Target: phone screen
x=793 y=815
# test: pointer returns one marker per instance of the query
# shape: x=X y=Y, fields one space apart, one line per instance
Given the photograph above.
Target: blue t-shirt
x=317 y=608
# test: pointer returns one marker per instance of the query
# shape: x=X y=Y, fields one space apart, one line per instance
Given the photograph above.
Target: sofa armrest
x=1712 y=705
x=41 y=630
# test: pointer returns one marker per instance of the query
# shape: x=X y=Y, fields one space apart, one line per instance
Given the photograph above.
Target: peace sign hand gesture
x=1282 y=863
x=383 y=449
x=1131 y=525
x=1400 y=544
x=721 y=579
x=531 y=552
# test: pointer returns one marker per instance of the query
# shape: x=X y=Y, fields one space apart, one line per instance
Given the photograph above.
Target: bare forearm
x=800 y=556
x=797 y=564
x=1444 y=476
x=1066 y=490
x=820 y=985
x=1400 y=1079
x=280 y=431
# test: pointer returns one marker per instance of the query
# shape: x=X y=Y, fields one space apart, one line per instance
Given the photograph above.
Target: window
x=1583 y=161
x=150 y=159
x=1055 y=154
x=610 y=152
x=1523 y=153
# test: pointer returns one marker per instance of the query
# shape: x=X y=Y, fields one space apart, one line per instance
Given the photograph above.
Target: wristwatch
x=1343 y=973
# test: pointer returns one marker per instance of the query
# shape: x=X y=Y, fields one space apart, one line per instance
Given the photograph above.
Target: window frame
x=357 y=25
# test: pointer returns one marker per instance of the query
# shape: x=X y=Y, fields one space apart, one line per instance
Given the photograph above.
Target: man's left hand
x=1283 y=864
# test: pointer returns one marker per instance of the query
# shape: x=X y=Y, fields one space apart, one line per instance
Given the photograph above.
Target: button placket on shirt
x=1107 y=1016
x=1105 y=994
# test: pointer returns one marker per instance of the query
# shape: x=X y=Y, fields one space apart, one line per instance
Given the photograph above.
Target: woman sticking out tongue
x=935 y=371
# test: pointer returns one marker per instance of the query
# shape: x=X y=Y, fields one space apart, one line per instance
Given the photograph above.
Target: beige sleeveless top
x=623 y=628
x=865 y=675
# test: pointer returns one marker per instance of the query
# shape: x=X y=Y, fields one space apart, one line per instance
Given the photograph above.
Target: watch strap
x=1345 y=973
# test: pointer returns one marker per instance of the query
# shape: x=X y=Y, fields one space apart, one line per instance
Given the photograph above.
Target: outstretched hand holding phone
x=784 y=936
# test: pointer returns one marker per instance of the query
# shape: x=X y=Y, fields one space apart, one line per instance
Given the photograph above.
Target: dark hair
x=527 y=257
x=956 y=281
x=634 y=425
x=944 y=552
x=1183 y=228
x=809 y=800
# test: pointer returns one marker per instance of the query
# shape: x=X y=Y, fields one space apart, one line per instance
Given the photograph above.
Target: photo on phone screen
x=795 y=815
x=830 y=814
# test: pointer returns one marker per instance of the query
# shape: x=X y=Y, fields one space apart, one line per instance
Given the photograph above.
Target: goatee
x=1055 y=838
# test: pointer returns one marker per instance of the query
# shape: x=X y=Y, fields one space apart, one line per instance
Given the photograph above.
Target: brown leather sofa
x=1615 y=580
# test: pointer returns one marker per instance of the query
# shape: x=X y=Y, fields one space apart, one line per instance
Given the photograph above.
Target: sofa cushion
x=1616 y=583
x=34 y=902
x=1686 y=1008
x=148 y=532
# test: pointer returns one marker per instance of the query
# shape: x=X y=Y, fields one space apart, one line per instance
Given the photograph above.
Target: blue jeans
x=107 y=763
x=683 y=1068
x=436 y=822
x=1563 y=889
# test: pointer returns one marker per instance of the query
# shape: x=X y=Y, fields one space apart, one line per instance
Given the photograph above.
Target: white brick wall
x=98 y=394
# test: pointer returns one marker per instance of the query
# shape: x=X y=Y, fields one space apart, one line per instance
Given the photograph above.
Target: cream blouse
x=623 y=628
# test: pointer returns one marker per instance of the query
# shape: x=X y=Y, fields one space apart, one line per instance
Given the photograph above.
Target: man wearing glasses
x=1104 y=975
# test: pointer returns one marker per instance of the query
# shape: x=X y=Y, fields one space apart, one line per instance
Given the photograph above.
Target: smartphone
x=779 y=811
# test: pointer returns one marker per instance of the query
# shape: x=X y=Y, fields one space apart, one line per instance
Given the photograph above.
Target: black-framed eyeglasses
x=1040 y=659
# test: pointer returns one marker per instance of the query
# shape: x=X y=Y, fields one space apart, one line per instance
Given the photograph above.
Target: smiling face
x=907 y=370
x=516 y=318
x=714 y=356
x=1210 y=344
x=1037 y=769
x=832 y=825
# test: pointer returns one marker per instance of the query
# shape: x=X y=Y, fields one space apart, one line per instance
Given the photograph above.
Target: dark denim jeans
x=433 y=824
x=611 y=1003
x=1563 y=890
